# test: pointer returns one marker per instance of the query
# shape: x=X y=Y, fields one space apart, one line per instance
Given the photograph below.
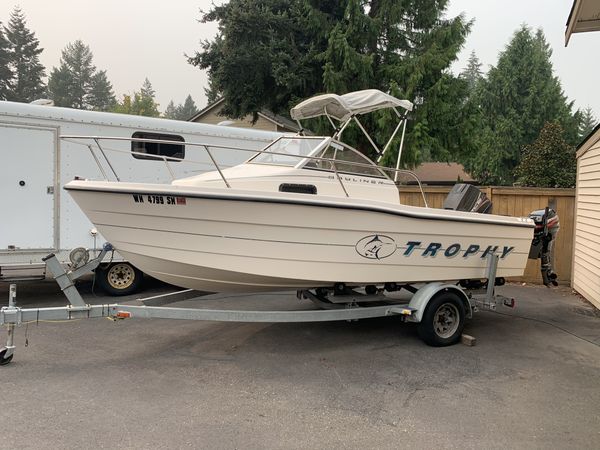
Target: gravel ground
x=532 y=380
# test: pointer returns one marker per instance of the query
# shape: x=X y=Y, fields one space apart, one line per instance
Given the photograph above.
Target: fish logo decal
x=376 y=246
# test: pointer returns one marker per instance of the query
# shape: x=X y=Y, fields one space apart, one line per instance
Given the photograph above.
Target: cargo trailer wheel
x=119 y=279
x=5 y=360
x=443 y=321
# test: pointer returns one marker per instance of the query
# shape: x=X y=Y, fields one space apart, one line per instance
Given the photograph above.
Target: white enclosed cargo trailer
x=37 y=217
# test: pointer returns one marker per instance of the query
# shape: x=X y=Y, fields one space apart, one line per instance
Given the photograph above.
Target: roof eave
x=588 y=141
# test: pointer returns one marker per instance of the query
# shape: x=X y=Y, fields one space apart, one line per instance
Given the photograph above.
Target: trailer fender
x=421 y=299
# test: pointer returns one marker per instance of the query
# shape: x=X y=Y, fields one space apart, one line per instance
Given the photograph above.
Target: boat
x=305 y=212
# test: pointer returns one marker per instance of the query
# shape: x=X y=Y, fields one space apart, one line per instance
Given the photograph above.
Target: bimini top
x=342 y=107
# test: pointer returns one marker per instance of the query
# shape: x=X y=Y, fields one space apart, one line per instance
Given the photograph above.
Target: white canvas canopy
x=342 y=107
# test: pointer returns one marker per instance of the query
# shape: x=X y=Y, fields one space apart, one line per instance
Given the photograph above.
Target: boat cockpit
x=306 y=165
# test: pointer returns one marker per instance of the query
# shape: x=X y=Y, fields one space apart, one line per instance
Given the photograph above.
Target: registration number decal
x=158 y=199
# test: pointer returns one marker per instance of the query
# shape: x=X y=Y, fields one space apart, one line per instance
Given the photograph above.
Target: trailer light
x=122 y=315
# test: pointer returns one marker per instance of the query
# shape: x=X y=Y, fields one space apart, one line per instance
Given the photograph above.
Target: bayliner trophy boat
x=306 y=212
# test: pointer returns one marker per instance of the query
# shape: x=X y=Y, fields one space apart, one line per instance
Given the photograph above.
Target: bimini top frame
x=345 y=109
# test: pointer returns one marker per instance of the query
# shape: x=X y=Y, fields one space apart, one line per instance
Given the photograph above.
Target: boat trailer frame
x=12 y=316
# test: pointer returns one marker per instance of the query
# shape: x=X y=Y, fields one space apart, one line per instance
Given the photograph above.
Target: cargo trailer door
x=27 y=182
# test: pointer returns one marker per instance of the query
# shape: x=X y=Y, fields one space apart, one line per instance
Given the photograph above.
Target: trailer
x=37 y=215
x=439 y=308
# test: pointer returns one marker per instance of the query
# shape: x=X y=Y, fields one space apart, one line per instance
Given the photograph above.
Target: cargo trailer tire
x=443 y=321
x=119 y=278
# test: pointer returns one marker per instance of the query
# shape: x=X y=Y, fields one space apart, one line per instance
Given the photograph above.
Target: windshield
x=347 y=160
x=277 y=151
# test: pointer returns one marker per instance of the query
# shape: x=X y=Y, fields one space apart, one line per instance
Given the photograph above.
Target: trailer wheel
x=443 y=321
x=119 y=279
x=4 y=361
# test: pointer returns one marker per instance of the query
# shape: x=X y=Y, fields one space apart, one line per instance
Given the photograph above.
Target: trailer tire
x=119 y=278
x=443 y=321
x=5 y=360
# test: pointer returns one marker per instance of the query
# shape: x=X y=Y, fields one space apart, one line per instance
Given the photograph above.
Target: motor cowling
x=547 y=225
x=466 y=197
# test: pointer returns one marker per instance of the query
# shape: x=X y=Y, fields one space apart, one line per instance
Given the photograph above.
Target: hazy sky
x=134 y=39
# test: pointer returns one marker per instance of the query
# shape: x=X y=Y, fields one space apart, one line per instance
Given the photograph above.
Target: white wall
x=586 y=253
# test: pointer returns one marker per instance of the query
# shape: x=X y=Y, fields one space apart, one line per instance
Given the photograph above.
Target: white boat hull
x=224 y=240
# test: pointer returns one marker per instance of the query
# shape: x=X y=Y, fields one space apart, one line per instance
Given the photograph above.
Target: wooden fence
x=518 y=201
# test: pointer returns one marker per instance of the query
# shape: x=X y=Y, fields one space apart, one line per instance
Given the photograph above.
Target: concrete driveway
x=528 y=383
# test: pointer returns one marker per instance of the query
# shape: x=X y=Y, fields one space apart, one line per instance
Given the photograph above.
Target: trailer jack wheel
x=3 y=358
x=119 y=279
x=443 y=321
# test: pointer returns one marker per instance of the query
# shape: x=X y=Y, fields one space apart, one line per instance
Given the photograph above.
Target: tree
x=472 y=74
x=187 y=110
x=100 y=94
x=26 y=83
x=141 y=104
x=5 y=72
x=171 y=111
x=77 y=84
x=518 y=97
x=549 y=161
x=181 y=112
x=273 y=53
x=587 y=123
x=70 y=84
x=124 y=106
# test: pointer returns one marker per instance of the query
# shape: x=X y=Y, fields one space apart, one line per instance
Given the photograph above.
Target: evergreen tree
x=518 y=97
x=211 y=92
x=141 y=104
x=187 y=110
x=70 y=84
x=549 y=161
x=273 y=53
x=77 y=84
x=27 y=72
x=171 y=111
x=182 y=111
x=587 y=123
x=100 y=95
x=5 y=72
x=472 y=74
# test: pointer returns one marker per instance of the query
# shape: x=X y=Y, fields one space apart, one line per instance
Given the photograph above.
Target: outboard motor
x=542 y=245
x=466 y=197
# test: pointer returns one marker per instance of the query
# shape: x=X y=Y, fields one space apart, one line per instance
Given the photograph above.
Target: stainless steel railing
x=166 y=159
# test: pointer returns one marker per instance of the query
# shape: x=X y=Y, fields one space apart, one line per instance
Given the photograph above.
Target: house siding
x=586 y=250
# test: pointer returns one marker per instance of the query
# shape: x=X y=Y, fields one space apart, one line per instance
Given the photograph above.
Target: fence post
x=489 y=192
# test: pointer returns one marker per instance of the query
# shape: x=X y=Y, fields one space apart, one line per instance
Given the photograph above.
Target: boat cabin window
x=156 y=148
x=347 y=160
x=276 y=153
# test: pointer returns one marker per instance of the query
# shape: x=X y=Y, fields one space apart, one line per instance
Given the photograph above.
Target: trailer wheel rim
x=446 y=320
x=120 y=276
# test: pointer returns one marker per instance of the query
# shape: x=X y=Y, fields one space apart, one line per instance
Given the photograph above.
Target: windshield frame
x=301 y=158
x=325 y=143
x=367 y=162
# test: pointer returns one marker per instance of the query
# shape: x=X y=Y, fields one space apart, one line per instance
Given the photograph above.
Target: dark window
x=156 y=148
x=298 y=188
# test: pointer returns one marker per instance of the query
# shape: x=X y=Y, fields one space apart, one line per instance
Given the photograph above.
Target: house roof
x=588 y=141
x=278 y=120
x=206 y=109
x=584 y=16
x=442 y=173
